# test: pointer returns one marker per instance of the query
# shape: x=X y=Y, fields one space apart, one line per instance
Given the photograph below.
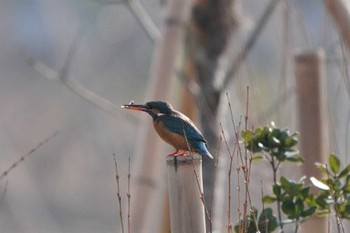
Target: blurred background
x=68 y=184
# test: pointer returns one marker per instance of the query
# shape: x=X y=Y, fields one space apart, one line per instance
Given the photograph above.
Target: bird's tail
x=203 y=150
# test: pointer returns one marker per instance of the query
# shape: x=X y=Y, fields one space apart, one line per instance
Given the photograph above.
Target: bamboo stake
x=310 y=74
x=185 y=185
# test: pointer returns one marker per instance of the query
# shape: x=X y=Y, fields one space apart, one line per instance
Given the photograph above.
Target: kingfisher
x=173 y=127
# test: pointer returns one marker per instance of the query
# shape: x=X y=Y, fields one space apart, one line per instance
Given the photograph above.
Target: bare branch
x=232 y=71
x=22 y=158
x=141 y=16
x=144 y=19
x=70 y=83
x=74 y=86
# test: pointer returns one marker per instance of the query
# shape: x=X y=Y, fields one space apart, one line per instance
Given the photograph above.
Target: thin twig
x=129 y=195
x=245 y=165
x=22 y=158
x=248 y=163
x=118 y=193
x=229 y=223
x=226 y=143
x=239 y=212
x=246 y=114
x=236 y=132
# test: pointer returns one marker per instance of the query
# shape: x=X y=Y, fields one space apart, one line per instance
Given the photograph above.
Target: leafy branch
x=294 y=199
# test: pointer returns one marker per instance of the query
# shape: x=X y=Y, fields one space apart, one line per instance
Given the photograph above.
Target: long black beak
x=136 y=107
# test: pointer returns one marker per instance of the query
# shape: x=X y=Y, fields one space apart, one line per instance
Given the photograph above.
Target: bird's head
x=153 y=108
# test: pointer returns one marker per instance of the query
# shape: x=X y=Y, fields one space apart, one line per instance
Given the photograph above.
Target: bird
x=174 y=128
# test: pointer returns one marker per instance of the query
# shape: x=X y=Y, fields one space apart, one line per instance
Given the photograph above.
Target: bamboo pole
x=146 y=210
x=310 y=74
x=340 y=11
x=185 y=186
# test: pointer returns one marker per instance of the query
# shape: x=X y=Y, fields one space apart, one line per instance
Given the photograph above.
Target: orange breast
x=176 y=140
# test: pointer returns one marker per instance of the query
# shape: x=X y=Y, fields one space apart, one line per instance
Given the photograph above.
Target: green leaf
x=284 y=182
x=302 y=179
x=261 y=146
x=323 y=212
x=289 y=208
x=267 y=221
x=290 y=186
x=334 y=163
x=323 y=201
x=319 y=184
x=345 y=171
x=322 y=167
x=346 y=187
x=308 y=212
x=275 y=141
x=290 y=142
x=304 y=193
x=257 y=158
x=294 y=157
x=276 y=190
x=247 y=135
x=344 y=210
x=268 y=199
x=250 y=224
x=273 y=137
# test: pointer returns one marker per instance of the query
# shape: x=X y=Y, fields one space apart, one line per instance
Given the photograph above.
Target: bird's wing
x=180 y=123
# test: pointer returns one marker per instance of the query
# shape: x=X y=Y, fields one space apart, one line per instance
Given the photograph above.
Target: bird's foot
x=180 y=153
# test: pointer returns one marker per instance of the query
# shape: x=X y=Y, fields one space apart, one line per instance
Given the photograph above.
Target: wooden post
x=313 y=128
x=186 y=206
